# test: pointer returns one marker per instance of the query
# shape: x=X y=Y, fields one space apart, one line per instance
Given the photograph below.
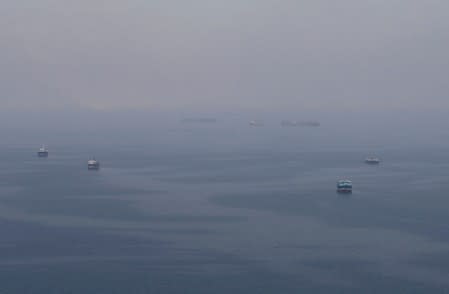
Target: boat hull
x=93 y=167
x=42 y=154
x=344 y=190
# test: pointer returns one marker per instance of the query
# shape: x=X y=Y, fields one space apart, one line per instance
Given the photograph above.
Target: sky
x=253 y=55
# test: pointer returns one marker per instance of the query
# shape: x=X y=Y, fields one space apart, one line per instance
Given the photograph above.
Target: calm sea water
x=211 y=209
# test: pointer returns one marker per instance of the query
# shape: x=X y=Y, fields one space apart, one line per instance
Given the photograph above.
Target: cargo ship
x=93 y=164
x=295 y=123
x=43 y=152
x=199 y=120
x=344 y=186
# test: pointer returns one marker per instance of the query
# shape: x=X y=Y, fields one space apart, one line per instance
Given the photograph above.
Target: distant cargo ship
x=294 y=123
x=200 y=120
x=43 y=152
x=372 y=160
x=93 y=164
x=344 y=186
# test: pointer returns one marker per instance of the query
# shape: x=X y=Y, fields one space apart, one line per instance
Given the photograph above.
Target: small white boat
x=255 y=123
x=93 y=164
x=372 y=160
x=43 y=152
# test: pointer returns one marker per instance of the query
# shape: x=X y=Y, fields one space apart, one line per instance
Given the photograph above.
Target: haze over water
x=190 y=198
x=214 y=208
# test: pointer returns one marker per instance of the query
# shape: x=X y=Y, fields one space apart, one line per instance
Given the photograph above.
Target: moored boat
x=43 y=152
x=372 y=160
x=344 y=186
x=93 y=164
x=255 y=123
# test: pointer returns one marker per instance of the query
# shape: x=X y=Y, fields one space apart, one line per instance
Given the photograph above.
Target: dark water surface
x=203 y=209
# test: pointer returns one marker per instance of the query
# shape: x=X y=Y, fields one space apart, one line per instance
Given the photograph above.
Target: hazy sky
x=233 y=54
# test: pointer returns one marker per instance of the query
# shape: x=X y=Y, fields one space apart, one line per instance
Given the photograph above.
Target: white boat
x=255 y=123
x=43 y=152
x=372 y=160
x=93 y=164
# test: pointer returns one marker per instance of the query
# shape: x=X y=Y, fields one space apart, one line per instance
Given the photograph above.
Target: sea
x=212 y=207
